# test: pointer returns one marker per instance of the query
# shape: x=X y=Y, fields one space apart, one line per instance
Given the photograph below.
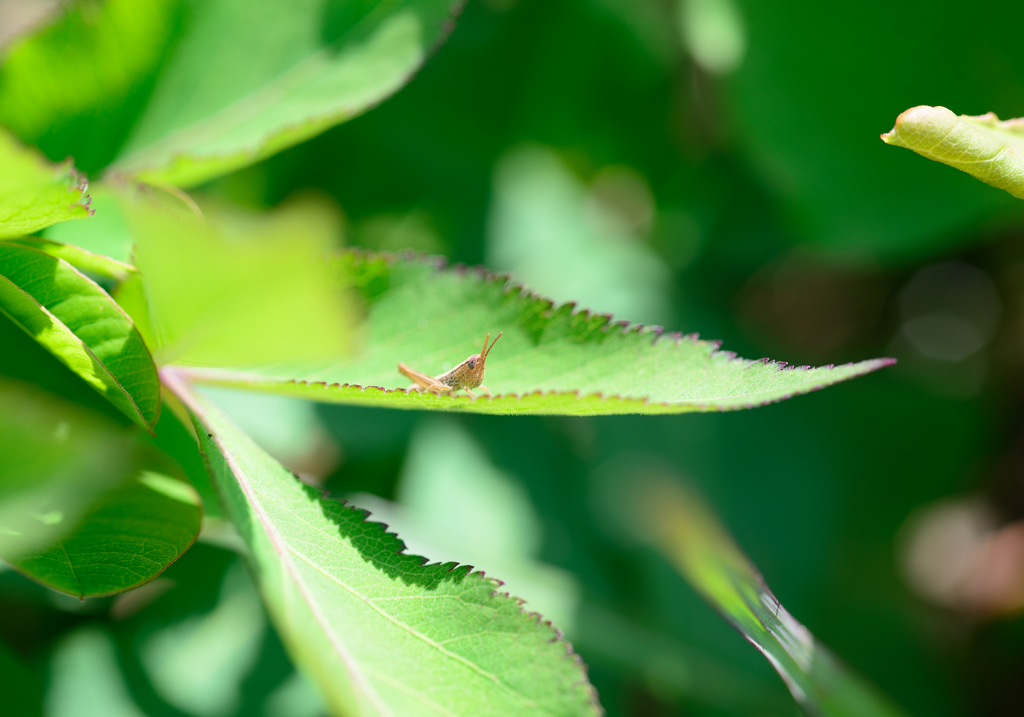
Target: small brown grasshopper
x=467 y=375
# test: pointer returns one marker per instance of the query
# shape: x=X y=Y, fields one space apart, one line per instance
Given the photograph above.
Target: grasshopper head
x=475 y=363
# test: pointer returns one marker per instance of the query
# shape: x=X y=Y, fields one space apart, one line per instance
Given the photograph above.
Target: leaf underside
x=380 y=631
x=550 y=360
x=689 y=533
x=78 y=322
x=34 y=193
x=984 y=146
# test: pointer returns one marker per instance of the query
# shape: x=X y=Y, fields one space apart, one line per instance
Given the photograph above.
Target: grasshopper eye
x=472 y=363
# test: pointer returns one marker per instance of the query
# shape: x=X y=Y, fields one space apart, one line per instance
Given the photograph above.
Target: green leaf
x=238 y=287
x=42 y=437
x=58 y=456
x=75 y=87
x=550 y=360
x=34 y=193
x=250 y=79
x=78 y=257
x=78 y=322
x=378 y=630
x=686 y=530
x=985 y=147
x=126 y=539
x=106 y=233
x=175 y=435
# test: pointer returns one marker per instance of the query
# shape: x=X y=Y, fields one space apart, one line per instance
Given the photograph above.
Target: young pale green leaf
x=984 y=146
x=686 y=530
x=250 y=79
x=237 y=287
x=381 y=632
x=78 y=257
x=126 y=538
x=78 y=322
x=34 y=193
x=550 y=360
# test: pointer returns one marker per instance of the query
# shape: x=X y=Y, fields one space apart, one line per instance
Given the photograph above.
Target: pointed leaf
x=127 y=538
x=689 y=534
x=34 y=193
x=985 y=147
x=379 y=631
x=552 y=360
x=78 y=322
x=78 y=257
x=250 y=79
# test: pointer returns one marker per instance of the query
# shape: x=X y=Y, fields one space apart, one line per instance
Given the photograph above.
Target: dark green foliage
x=708 y=165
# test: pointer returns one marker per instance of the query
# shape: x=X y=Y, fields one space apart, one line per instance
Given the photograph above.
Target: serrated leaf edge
x=77 y=180
x=530 y=616
x=177 y=382
x=544 y=306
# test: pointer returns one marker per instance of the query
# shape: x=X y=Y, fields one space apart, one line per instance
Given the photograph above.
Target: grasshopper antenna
x=487 y=349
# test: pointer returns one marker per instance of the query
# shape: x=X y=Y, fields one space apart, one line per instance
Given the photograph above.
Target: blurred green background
x=710 y=166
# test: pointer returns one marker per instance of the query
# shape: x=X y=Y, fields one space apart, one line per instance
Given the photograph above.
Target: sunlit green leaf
x=175 y=435
x=984 y=146
x=127 y=538
x=106 y=233
x=379 y=631
x=34 y=193
x=689 y=534
x=553 y=360
x=236 y=288
x=78 y=322
x=250 y=79
x=76 y=85
x=78 y=257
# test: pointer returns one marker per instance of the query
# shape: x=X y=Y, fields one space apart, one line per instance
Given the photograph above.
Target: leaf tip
x=920 y=123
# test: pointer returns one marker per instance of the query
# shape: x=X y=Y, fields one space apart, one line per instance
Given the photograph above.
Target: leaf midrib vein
x=415 y=633
x=277 y=540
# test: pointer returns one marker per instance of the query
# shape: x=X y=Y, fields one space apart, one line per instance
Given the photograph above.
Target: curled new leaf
x=984 y=146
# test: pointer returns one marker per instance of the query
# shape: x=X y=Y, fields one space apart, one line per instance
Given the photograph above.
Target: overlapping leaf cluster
x=380 y=632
